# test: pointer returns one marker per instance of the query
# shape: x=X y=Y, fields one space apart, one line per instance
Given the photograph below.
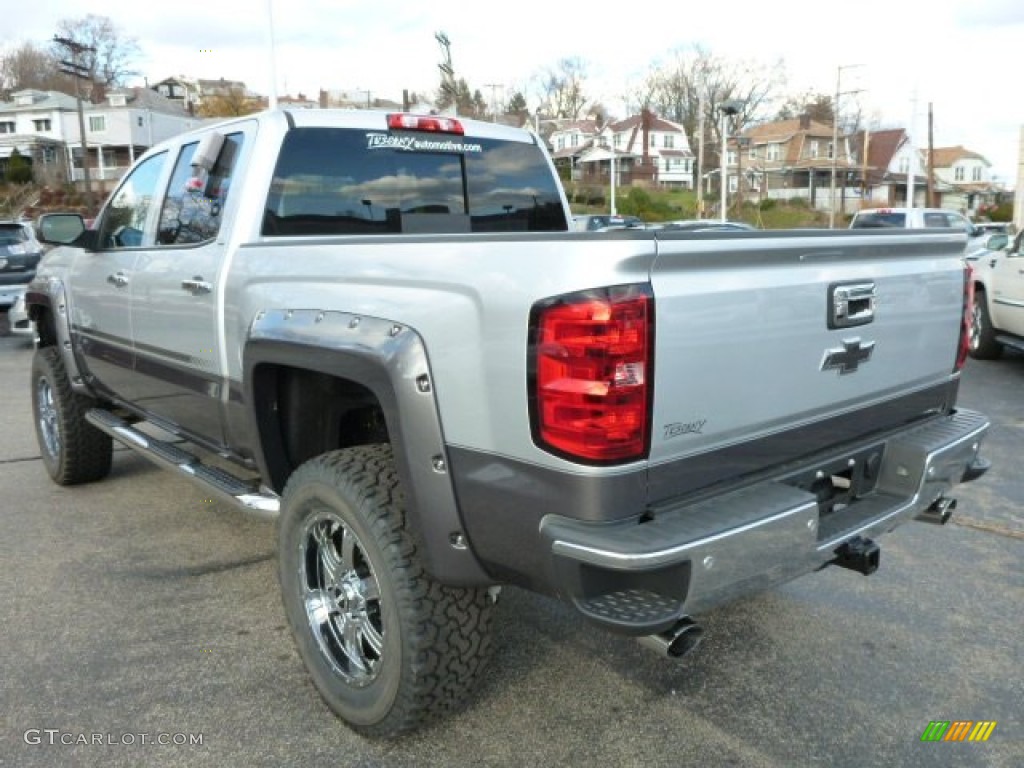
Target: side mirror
x=60 y=228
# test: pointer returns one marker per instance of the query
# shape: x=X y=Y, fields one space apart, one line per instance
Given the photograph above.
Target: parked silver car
x=19 y=255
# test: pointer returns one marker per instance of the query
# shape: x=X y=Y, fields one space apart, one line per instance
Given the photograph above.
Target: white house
x=44 y=126
x=648 y=150
x=33 y=123
x=967 y=175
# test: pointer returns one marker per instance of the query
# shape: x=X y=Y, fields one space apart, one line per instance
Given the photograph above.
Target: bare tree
x=230 y=102
x=30 y=66
x=562 y=89
x=109 y=62
x=675 y=91
x=817 y=106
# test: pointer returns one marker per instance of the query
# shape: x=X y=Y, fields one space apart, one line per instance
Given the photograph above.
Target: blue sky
x=964 y=58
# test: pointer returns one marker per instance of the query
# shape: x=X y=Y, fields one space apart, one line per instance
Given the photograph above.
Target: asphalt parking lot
x=136 y=610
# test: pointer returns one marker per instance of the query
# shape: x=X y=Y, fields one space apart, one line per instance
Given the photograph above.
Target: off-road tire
x=433 y=640
x=983 y=344
x=73 y=451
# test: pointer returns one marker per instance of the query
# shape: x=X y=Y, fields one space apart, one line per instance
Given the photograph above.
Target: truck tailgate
x=746 y=361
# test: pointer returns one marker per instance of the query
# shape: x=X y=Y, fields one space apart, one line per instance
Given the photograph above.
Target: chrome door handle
x=196 y=285
x=120 y=279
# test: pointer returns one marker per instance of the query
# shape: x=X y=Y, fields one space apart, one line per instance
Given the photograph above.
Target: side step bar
x=245 y=495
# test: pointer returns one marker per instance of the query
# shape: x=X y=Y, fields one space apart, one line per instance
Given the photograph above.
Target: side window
x=195 y=200
x=939 y=220
x=125 y=218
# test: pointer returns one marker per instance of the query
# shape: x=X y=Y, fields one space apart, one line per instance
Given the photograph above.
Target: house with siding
x=885 y=161
x=44 y=126
x=648 y=149
x=788 y=159
x=966 y=178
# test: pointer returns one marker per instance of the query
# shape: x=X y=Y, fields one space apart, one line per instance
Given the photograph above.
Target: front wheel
x=982 y=342
x=73 y=450
x=386 y=646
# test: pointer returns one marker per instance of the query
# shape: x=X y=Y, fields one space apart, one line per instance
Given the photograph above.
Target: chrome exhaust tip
x=677 y=642
x=939 y=512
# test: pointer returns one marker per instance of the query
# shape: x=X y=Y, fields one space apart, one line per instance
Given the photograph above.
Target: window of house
x=575 y=140
x=958 y=173
x=616 y=141
x=7 y=126
x=652 y=138
x=730 y=157
x=669 y=142
x=125 y=222
x=814 y=149
x=732 y=183
x=976 y=174
x=904 y=165
x=687 y=167
x=141 y=121
x=773 y=152
x=97 y=123
x=831 y=150
x=192 y=209
x=753 y=153
x=49 y=155
x=42 y=125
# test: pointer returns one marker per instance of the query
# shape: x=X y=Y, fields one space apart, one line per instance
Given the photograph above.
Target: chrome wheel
x=48 y=416
x=342 y=598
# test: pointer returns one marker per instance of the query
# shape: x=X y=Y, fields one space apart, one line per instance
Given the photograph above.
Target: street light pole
x=728 y=109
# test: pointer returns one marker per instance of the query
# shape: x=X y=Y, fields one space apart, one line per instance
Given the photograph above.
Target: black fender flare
x=390 y=360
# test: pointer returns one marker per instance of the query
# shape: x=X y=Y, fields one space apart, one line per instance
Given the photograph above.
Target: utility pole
x=494 y=99
x=272 y=98
x=835 y=143
x=447 y=71
x=79 y=72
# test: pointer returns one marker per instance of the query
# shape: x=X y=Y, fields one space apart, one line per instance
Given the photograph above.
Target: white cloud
x=960 y=57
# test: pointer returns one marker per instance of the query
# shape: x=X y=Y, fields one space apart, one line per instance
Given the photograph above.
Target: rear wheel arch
x=386 y=395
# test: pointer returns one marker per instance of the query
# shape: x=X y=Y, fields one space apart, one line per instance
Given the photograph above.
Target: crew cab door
x=176 y=299
x=1007 y=284
x=101 y=280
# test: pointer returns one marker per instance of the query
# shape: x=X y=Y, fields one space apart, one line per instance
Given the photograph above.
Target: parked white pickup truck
x=378 y=329
x=997 y=320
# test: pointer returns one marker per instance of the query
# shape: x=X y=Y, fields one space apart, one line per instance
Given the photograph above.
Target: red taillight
x=965 y=326
x=399 y=121
x=591 y=376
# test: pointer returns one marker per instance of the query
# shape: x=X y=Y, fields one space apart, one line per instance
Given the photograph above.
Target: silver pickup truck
x=378 y=330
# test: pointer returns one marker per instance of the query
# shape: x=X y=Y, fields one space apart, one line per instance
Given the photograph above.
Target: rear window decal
x=418 y=144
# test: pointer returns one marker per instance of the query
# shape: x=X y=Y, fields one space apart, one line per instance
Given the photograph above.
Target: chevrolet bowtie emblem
x=847 y=358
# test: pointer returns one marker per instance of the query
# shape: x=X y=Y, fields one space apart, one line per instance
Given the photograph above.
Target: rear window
x=341 y=181
x=878 y=220
x=12 y=234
